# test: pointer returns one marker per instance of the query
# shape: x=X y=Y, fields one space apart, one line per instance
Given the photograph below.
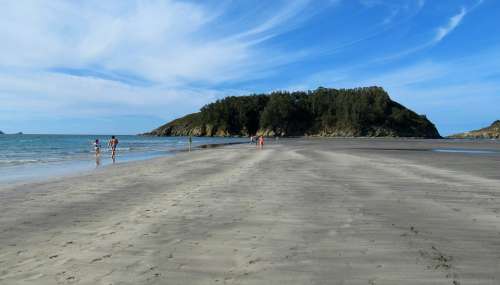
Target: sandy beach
x=300 y=211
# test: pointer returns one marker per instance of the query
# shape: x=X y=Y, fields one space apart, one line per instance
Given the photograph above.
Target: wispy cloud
x=452 y=24
x=277 y=19
x=164 y=58
x=440 y=33
x=454 y=21
x=70 y=58
x=160 y=41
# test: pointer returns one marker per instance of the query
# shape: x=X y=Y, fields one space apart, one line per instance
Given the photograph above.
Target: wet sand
x=300 y=211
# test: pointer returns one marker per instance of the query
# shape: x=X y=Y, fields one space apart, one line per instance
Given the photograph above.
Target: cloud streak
x=440 y=34
x=165 y=58
x=453 y=23
x=70 y=58
x=160 y=41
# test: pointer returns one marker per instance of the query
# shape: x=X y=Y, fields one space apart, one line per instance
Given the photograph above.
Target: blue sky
x=126 y=67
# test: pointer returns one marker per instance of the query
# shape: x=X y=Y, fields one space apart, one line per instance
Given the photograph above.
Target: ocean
x=27 y=157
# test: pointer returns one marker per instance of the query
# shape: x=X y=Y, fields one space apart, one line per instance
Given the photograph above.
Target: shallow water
x=466 y=151
x=36 y=156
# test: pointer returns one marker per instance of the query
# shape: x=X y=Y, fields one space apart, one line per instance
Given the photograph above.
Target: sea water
x=24 y=157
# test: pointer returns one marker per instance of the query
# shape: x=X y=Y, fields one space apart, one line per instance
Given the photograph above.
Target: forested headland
x=491 y=132
x=359 y=112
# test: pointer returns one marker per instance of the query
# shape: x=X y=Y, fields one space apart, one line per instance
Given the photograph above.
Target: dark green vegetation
x=491 y=132
x=322 y=112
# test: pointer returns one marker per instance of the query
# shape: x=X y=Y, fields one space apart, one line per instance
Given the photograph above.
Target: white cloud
x=64 y=96
x=162 y=41
x=453 y=23
x=278 y=18
x=171 y=44
x=440 y=34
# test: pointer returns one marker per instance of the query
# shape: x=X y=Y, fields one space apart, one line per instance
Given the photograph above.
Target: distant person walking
x=97 y=147
x=113 y=143
x=261 y=142
x=190 y=142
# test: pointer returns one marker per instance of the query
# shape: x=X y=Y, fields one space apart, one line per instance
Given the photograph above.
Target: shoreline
x=22 y=174
x=298 y=211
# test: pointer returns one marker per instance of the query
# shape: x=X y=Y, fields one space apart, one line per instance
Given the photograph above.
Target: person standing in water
x=97 y=147
x=190 y=142
x=113 y=142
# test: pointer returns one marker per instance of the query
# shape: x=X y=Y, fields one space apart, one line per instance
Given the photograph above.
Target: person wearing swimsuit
x=113 y=142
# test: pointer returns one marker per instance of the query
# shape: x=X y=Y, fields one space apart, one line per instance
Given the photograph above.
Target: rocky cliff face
x=491 y=132
x=360 y=112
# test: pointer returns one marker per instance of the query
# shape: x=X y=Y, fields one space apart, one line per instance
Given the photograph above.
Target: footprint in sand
x=254 y=261
x=66 y=277
x=101 y=258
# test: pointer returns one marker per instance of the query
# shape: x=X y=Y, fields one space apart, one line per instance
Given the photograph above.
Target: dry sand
x=302 y=211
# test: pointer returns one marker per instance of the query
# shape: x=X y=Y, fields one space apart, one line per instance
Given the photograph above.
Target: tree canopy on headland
x=367 y=111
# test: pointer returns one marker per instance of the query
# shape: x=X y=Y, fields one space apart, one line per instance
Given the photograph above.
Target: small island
x=491 y=132
x=326 y=112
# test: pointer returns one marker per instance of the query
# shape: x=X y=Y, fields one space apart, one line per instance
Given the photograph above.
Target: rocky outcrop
x=491 y=132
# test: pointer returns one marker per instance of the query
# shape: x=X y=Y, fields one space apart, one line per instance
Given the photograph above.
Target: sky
x=126 y=67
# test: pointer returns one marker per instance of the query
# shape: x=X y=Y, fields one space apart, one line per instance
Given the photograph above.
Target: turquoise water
x=24 y=157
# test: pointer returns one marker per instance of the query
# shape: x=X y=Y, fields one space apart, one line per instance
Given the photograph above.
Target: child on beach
x=97 y=147
x=261 y=142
